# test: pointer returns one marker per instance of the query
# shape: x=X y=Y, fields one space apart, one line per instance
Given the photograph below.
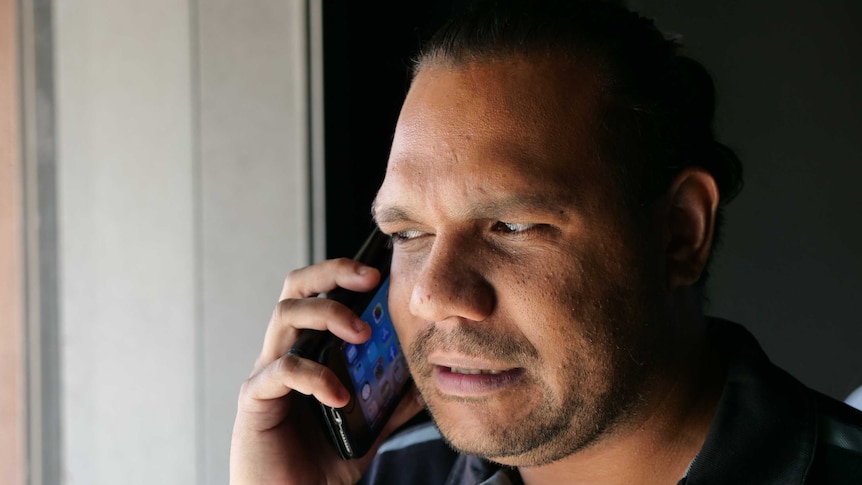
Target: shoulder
x=770 y=427
x=838 y=455
x=415 y=455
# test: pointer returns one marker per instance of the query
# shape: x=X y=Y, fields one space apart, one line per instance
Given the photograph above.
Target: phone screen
x=377 y=367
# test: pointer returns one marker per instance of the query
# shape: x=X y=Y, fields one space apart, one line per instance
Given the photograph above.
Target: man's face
x=522 y=292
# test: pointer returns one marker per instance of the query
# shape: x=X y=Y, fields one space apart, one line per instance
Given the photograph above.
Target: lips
x=462 y=360
x=474 y=382
x=458 y=370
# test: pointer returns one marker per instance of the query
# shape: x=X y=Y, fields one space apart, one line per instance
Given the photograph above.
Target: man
x=553 y=194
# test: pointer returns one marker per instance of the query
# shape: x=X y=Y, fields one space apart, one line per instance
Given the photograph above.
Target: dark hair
x=659 y=104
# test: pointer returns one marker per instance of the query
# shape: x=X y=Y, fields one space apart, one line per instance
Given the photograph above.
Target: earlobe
x=692 y=204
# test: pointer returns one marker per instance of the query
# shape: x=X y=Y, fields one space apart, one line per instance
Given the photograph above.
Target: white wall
x=182 y=202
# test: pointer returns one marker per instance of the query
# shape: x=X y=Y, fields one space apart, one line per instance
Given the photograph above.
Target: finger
x=292 y=373
x=328 y=275
x=291 y=316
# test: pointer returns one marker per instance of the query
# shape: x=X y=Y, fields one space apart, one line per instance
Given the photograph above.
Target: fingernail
x=362 y=270
x=359 y=325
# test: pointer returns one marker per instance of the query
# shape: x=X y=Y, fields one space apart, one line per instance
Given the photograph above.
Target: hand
x=276 y=438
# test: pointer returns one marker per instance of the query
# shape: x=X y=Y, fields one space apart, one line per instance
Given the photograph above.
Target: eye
x=401 y=236
x=512 y=227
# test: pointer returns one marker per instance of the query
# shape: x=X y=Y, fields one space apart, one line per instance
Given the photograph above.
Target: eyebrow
x=547 y=204
x=389 y=214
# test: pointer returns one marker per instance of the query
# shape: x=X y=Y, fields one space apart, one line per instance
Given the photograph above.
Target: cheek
x=541 y=303
x=561 y=310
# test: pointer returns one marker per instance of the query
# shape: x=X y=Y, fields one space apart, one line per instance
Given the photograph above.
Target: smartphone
x=375 y=372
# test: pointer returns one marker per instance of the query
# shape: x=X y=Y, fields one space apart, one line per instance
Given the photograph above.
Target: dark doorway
x=367 y=50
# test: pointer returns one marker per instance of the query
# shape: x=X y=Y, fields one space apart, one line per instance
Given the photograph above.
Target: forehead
x=513 y=124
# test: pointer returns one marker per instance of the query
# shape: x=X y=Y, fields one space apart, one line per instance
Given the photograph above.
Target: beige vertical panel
x=12 y=417
x=126 y=237
x=254 y=191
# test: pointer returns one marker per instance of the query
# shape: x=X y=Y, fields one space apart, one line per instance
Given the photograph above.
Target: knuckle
x=320 y=375
x=292 y=276
x=288 y=365
x=259 y=364
x=330 y=308
x=283 y=309
x=320 y=310
x=311 y=374
x=342 y=262
x=245 y=388
x=246 y=394
x=341 y=265
x=293 y=281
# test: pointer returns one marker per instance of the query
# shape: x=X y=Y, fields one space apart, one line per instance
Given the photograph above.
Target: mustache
x=474 y=341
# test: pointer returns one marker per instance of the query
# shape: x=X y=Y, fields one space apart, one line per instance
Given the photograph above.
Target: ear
x=690 y=222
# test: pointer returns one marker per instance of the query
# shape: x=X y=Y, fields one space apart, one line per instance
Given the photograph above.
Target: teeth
x=458 y=370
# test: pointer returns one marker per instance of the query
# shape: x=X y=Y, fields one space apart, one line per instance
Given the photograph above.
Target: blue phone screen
x=377 y=367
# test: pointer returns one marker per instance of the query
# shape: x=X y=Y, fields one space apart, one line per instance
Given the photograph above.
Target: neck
x=658 y=442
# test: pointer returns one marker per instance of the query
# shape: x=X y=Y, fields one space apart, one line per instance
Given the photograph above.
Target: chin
x=514 y=452
x=539 y=435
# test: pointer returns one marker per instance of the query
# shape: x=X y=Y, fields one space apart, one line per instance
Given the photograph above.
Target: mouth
x=474 y=382
x=472 y=372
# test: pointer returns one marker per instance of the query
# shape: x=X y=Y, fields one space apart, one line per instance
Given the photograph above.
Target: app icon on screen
x=386 y=392
x=378 y=371
x=377 y=313
x=373 y=409
x=351 y=352
x=371 y=352
x=392 y=352
x=398 y=371
x=358 y=371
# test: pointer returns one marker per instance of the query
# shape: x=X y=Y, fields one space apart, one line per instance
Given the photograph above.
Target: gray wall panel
x=254 y=191
x=182 y=203
x=126 y=242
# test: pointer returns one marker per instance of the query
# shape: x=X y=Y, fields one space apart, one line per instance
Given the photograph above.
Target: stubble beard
x=560 y=423
x=555 y=427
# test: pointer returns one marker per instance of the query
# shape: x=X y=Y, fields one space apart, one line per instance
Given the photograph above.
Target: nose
x=451 y=285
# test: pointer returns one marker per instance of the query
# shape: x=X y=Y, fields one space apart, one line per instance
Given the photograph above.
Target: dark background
x=367 y=51
x=789 y=102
